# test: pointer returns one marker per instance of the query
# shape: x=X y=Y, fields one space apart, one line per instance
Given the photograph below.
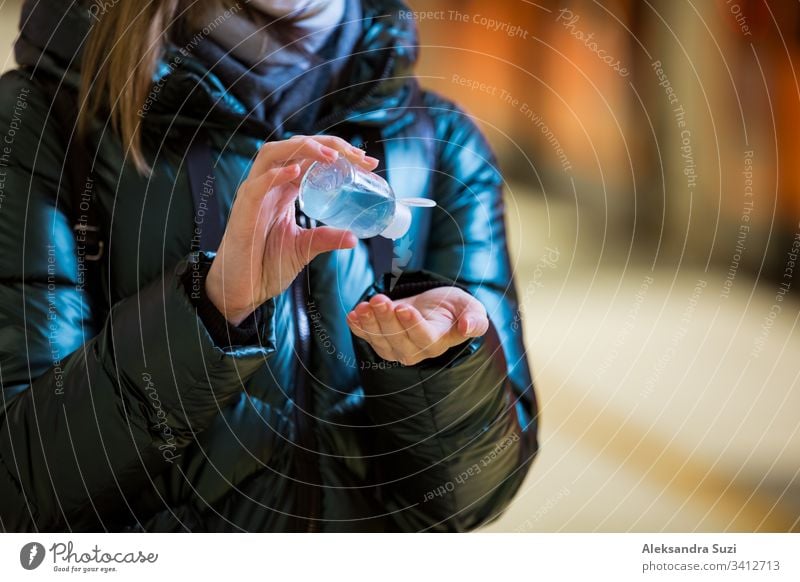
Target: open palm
x=422 y=326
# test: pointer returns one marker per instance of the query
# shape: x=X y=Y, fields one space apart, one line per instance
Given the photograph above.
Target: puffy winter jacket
x=121 y=412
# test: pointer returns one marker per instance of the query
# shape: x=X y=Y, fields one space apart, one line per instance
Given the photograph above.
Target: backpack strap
x=202 y=182
x=85 y=215
x=381 y=250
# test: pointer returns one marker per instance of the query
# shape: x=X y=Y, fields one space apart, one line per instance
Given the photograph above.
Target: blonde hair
x=123 y=48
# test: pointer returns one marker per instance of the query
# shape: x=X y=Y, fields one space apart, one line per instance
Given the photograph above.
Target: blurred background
x=653 y=202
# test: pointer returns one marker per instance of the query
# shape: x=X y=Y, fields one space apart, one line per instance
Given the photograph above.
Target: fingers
x=472 y=326
x=355 y=325
x=323 y=239
x=309 y=149
x=353 y=153
x=399 y=331
x=276 y=153
x=255 y=188
x=369 y=163
x=405 y=351
x=363 y=323
x=472 y=321
x=417 y=329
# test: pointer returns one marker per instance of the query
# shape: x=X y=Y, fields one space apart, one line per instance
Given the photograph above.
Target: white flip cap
x=402 y=216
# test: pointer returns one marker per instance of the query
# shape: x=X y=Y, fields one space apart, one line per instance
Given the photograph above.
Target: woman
x=182 y=349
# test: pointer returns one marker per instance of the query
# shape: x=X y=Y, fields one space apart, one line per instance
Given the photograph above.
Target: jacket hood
x=377 y=76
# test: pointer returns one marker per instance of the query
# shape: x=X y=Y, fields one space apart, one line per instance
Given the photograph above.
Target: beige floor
x=655 y=416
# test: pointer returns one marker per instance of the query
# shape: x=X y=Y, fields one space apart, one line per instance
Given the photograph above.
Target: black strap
x=381 y=249
x=308 y=500
x=86 y=220
x=381 y=253
x=208 y=228
x=207 y=236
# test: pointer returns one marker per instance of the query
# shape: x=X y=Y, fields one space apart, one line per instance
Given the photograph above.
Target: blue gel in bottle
x=346 y=196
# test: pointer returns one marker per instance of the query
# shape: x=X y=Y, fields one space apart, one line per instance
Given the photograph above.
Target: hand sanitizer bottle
x=343 y=195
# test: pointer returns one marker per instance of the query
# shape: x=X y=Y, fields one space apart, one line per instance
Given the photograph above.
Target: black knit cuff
x=222 y=332
x=411 y=283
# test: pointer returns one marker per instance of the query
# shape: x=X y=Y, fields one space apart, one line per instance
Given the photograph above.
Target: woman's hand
x=419 y=327
x=263 y=249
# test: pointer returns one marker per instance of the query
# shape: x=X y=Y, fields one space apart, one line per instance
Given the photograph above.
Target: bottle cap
x=401 y=222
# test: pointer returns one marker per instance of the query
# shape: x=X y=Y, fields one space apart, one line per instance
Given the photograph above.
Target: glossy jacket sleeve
x=458 y=434
x=447 y=438
x=89 y=415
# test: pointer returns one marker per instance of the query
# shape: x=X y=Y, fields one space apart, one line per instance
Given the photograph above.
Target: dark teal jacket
x=121 y=412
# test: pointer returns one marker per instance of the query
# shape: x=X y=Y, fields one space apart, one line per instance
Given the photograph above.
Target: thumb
x=322 y=239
